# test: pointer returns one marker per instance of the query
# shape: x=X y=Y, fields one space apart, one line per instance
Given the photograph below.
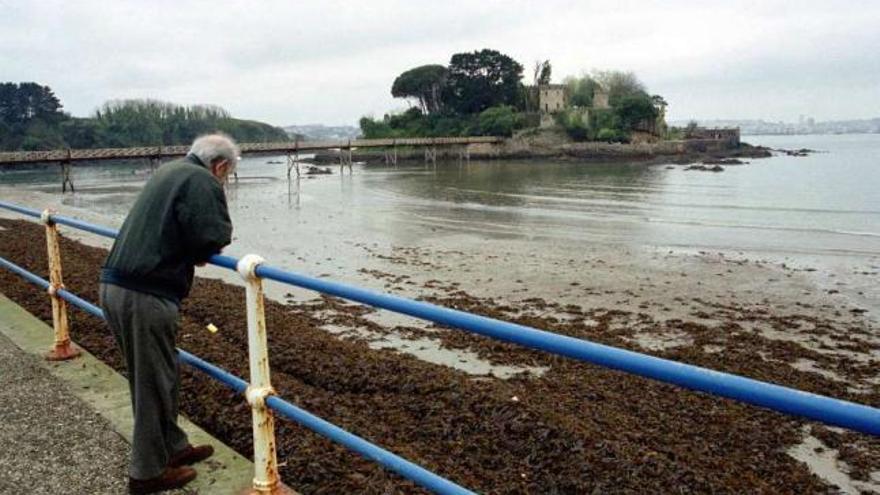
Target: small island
x=605 y=115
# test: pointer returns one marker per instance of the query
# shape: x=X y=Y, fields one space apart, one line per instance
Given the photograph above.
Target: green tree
x=410 y=123
x=23 y=102
x=31 y=119
x=80 y=133
x=151 y=123
x=130 y=123
x=611 y=135
x=374 y=129
x=482 y=79
x=413 y=123
x=635 y=110
x=41 y=135
x=659 y=101
x=605 y=118
x=660 y=104
x=424 y=83
x=619 y=84
x=581 y=90
x=542 y=73
x=574 y=124
x=29 y=116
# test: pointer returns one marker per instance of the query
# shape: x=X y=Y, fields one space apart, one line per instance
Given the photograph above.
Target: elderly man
x=178 y=221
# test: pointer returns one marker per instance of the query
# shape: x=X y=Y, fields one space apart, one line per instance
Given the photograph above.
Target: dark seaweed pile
x=577 y=428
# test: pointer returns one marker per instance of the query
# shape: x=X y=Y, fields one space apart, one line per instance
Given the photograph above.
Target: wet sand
x=539 y=424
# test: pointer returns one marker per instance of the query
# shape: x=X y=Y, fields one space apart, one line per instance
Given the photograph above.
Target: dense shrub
x=498 y=121
x=573 y=122
x=580 y=90
x=611 y=135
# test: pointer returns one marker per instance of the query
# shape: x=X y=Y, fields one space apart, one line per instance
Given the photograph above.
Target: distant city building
x=731 y=135
x=810 y=126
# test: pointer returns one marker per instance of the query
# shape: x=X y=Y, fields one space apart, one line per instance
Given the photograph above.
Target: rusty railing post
x=266 y=479
x=62 y=348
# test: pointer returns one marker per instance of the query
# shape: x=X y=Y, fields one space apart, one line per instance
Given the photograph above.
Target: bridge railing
x=158 y=152
x=828 y=410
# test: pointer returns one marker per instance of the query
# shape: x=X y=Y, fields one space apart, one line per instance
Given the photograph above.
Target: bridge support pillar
x=293 y=163
x=464 y=154
x=293 y=160
x=345 y=158
x=65 y=177
x=156 y=160
x=431 y=155
x=290 y=192
x=391 y=156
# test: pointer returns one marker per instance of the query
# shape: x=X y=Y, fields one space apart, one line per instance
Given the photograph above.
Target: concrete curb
x=106 y=392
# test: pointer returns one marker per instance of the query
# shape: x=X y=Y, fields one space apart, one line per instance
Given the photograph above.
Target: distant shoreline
x=861 y=133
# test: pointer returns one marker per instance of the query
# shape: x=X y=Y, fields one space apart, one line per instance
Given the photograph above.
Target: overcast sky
x=332 y=62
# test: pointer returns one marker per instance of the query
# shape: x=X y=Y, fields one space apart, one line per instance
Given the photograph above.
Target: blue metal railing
x=783 y=399
x=832 y=411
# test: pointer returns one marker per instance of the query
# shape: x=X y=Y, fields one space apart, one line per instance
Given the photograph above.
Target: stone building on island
x=600 y=98
x=552 y=98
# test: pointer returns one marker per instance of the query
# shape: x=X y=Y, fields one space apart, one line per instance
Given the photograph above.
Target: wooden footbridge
x=288 y=147
x=155 y=154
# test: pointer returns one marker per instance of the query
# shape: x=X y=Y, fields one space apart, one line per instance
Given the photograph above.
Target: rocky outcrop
x=704 y=168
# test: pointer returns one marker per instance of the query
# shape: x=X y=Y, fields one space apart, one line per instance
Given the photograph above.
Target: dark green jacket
x=179 y=220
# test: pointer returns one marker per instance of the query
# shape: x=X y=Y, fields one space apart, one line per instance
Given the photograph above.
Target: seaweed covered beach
x=557 y=426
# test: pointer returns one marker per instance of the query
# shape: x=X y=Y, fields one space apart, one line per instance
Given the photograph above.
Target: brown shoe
x=172 y=477
x=191 y=455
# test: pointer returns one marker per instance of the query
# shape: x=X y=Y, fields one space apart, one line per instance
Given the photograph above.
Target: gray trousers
x=145 y=328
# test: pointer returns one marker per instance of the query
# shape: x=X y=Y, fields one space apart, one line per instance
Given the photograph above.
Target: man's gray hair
x=210 y=147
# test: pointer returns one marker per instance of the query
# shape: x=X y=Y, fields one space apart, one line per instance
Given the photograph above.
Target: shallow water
x=821 y=209
x=824 y=204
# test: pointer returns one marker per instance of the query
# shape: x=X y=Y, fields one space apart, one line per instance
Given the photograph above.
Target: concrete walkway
x=66 y=427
